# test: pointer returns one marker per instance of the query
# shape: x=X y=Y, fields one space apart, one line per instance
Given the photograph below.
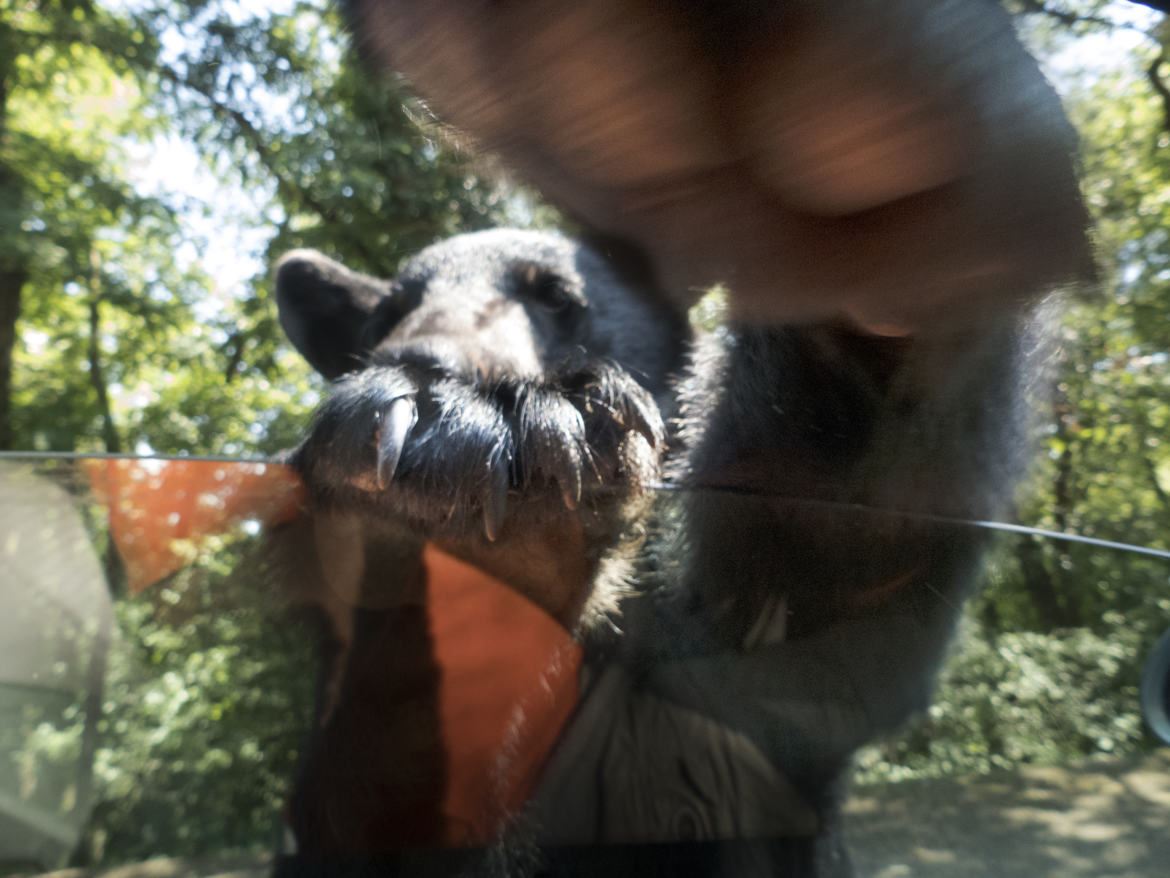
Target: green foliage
x=1050 y=672
x=206 y=704
x=1107 y=409
x=133 y=335
x=130 y=338
x=1022 y=698
x=127 y=339
x=69 y=105
x=207 y=696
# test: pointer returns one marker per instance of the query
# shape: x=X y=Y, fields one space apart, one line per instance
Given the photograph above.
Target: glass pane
x=164 y=623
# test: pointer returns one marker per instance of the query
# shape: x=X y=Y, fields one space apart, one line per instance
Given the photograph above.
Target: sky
x=230 y=251
x=1095 y=54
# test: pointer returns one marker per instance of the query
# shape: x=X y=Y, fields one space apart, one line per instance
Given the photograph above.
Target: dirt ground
x=1105 y=820
x=1101 y=819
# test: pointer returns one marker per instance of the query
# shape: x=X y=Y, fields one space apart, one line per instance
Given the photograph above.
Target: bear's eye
x=540 y=285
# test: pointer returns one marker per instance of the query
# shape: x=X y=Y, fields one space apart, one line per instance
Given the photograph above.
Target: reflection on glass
x=164 y=625
x=55 y=630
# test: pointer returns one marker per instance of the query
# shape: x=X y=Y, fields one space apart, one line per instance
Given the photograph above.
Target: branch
x=237 y=343
x=1069 y=18
x=1155 y=483
x=1064 y=16
x=1156 y=82
x=97 y=376
x=1160 y=5
x=257 y=141
x=1142 y=430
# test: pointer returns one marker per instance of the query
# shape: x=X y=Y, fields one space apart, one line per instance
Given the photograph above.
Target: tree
x=115 y=334
x=58 y=183
x=127 y=341
x=1054 y=648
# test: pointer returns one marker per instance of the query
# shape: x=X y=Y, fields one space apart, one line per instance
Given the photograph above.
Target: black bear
x=887 y=188
x=486 y=403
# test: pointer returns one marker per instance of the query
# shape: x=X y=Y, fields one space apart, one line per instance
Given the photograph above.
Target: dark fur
x=794 y=597
x=529 y=457
x=534 y=381
x=772 y=619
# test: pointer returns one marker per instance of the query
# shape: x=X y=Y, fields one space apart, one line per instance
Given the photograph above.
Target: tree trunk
x=97 y=377
x=1040 y=584
x=12 y=281
x=1067 y=610
x=13 y=263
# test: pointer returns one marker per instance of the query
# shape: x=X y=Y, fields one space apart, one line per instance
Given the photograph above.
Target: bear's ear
x=323 y=307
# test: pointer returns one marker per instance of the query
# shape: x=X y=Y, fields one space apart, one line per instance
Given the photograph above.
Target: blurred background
x=156 y=157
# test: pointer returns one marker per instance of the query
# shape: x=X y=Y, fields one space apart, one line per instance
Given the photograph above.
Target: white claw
x=495 y=507
x=571 y=486
x=397 y=423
